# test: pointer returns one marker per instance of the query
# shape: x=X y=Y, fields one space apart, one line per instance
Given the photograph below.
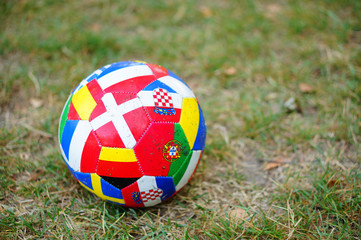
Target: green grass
x=244 y=60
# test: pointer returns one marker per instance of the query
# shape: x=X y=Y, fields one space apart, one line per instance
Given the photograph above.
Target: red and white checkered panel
x=151 y=195
x=162 y=99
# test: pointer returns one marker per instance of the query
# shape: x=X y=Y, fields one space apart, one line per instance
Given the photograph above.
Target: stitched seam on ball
x=140 y=166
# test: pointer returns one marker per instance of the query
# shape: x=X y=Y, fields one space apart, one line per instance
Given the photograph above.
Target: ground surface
x=279 y=83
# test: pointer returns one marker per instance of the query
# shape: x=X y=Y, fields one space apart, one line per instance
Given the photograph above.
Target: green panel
x=64 y=117
x=179 y=174
x=180 y=137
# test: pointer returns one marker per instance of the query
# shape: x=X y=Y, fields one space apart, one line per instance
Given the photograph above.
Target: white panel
x=146 y=97
x=178 y=86
x=190 y=169
x=77 y=143
x=147 y=183
x=123 y=74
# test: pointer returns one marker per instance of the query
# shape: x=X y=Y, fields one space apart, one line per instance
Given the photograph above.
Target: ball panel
x=67 y=135
x=177 y=85
x=90 y=154
x=95 y=90
x=123 y=121
x=123 y=74
x=148 y=191
x=104 y=190
x=120 y=183
x=108 y=135
x=83 y=103
x=161 y=102
x=190 y=119
x=179 y=158
x=133 y=85
x=111 y=191
x=119 y=169
x=77 y=143
x=179 y=172
x=200 y=141
x=138 y=122
x=72 y=113
x=118 y=65
x=196 y=155
x=64 y=118
x=84 y=178
x=98 y=110
x=157 y=70
x=149 y=149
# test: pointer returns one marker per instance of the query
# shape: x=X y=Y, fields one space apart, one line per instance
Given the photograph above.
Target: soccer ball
x=132 y=133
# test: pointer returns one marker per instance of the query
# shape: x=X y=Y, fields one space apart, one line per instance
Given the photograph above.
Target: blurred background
x=279 y=85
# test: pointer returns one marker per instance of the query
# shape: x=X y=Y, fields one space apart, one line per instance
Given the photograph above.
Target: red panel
x=89 y=158
x=149 y=149
x=156 y=117
x=98 y=110
x=108 y=136
x=95 y=90
x=73 y=115
x=122 y=97
x=119 y=169
x=158 y=71
x=132 y=85
x=131 y=195
x=137 y=121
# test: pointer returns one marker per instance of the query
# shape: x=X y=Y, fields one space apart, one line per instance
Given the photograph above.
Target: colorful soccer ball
x=132 y=133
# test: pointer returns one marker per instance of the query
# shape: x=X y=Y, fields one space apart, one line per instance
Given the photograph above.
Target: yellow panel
x=97 y=185
x=190 y=119
x=84 y=103
x=117 y=154
x=140 y=61
x=96 y=182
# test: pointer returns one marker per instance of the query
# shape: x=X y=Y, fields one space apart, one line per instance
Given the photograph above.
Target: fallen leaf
x=305 y=88
x=272 y=165
x=35 y=175
x=238 y=214
x=273 y=8
x=206 y=11
x=95 y=27
x=230 y=71
x=35 y=102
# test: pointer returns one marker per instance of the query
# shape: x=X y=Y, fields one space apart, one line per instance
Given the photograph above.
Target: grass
x=280 y=86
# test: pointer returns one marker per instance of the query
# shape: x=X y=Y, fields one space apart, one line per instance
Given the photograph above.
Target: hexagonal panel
x=162 y=149
x=122 y=122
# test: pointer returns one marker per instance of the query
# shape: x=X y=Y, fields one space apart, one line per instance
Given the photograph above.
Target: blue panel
x=167 y=185
x=119 y=65
x=68 y=132
x=84 y=178
x=121 y=204
x=109 y=190
x=158 y=84
x=71 y=170
x=201 y=134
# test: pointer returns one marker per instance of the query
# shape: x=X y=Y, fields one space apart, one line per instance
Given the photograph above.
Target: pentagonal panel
x=162 y=103
x=148 y=191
